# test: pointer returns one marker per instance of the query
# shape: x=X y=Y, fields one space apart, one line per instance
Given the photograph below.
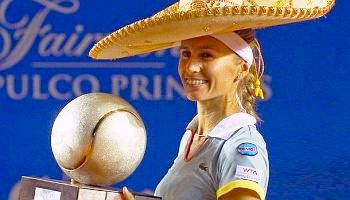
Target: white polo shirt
x=234 y=156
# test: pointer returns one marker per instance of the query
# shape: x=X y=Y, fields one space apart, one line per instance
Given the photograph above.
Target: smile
x=195 y=82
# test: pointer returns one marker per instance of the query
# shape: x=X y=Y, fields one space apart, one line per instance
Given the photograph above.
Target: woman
x=221 y=155
x=222 y=139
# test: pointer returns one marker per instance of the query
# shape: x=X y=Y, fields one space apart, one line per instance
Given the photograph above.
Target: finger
x=127 y=194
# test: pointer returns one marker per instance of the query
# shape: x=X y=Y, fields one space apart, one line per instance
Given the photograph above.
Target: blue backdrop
x=44 y=65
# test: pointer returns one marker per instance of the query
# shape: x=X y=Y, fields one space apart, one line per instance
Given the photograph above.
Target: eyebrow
x=206 y=47
x=202 y=47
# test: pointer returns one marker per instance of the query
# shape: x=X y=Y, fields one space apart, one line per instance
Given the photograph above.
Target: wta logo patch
x=248 y=149
x=248 y=173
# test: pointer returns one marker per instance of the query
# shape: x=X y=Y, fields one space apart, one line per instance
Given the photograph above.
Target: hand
x=126 y=195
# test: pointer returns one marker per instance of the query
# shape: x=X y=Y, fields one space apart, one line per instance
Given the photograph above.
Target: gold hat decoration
x=193 y=18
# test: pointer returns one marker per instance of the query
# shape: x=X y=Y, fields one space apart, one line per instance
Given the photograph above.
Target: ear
x=244 y=70
x=242 y=73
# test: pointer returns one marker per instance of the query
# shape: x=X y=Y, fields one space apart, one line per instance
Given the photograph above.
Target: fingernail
x=125 y=189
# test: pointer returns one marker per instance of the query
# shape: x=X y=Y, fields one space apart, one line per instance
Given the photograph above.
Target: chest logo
x=203 y=166
x=248 y=149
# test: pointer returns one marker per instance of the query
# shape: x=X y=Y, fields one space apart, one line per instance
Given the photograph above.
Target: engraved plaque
x=45 y=194
x=86 y=194
x=47 y=189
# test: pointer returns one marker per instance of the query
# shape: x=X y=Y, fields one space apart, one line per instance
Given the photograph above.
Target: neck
x=211 y=112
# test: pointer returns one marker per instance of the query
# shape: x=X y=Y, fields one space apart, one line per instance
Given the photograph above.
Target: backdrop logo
x=31 y=32
x=27 y=29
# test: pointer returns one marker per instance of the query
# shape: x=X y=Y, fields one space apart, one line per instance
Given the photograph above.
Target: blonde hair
x=249 y=88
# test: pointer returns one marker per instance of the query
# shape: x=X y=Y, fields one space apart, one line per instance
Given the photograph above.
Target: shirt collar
x=226 y=127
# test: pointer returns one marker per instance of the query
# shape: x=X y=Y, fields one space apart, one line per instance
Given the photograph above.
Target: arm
x=243 y=169
x=240 y=194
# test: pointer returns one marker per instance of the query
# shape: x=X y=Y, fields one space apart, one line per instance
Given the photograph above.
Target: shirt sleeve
x=243 y=163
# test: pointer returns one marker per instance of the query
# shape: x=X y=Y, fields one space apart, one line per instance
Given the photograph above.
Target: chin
x=191 y=99
x=194 y=98
x=197 y=95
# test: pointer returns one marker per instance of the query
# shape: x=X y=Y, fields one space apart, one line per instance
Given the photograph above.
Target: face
x=208 y=69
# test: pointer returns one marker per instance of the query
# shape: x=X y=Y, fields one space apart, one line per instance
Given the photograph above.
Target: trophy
x=97 y=140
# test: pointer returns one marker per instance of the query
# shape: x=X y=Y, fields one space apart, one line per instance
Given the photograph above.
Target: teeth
x=195 y=82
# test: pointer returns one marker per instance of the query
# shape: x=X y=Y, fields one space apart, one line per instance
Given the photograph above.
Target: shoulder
x=245 y=137
x=246 y=149
x=243 y=162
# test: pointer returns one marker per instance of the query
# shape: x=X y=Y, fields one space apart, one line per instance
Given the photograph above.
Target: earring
x=258 y=91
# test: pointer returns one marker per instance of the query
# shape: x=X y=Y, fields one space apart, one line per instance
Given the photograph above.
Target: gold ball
x=98 y=139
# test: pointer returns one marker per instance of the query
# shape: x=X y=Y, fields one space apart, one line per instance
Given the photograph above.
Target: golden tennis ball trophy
x=97 y=140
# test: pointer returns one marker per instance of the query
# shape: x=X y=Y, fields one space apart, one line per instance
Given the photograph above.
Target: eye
x=206 y=55
x=185 y=54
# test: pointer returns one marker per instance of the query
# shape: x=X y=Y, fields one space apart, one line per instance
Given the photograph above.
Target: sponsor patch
x=248 y=173
x=248 y=149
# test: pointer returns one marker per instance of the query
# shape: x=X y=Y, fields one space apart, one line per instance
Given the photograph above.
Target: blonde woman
x=221 y=154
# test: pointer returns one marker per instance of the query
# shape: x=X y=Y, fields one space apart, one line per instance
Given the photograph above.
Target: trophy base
x=45 y=189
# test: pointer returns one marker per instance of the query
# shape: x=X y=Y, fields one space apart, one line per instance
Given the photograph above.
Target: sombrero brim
x=168 y=27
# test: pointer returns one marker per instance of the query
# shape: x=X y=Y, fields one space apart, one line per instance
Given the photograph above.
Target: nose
x=194 y=66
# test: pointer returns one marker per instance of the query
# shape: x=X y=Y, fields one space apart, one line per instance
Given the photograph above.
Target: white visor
x=233 y=41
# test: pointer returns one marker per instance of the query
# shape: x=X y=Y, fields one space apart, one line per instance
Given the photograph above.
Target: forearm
x=240 y=194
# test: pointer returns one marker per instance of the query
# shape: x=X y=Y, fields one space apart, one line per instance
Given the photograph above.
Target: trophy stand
x=45 y=189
